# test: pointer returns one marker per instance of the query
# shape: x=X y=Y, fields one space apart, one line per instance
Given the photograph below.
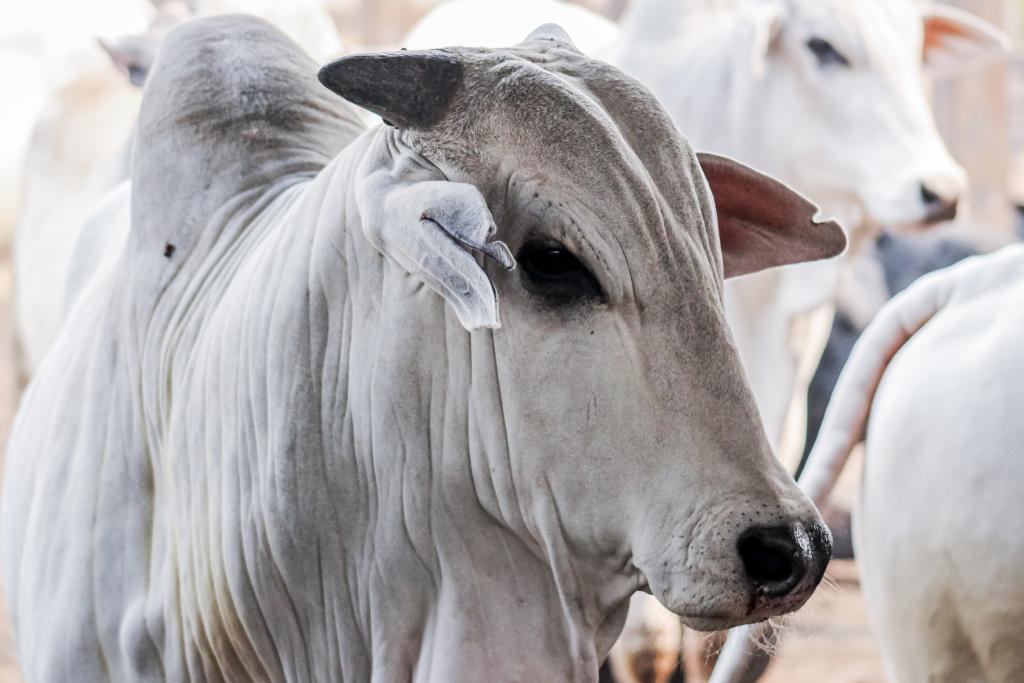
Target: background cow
x=938 y=526
x=80 y=146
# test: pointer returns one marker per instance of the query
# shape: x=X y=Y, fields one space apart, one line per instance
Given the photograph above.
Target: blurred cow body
x=80 y=149
x=933 y=390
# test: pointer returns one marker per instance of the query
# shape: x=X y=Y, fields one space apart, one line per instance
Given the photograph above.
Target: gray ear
x=409 y=89
x=551 y=32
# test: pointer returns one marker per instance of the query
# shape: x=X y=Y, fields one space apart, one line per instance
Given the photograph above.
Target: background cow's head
x=828 y=95
x=842 y=85
x=610 y=421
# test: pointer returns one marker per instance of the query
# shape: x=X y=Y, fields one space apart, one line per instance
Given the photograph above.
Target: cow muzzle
x=783 y=565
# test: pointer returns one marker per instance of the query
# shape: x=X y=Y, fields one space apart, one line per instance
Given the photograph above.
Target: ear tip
x=329 y=74
x=833 y=238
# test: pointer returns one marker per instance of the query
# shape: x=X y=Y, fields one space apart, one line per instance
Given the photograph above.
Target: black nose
x=937 y=209
x=777 y=560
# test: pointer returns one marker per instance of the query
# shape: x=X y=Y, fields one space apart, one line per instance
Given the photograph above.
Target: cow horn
x=409 y=89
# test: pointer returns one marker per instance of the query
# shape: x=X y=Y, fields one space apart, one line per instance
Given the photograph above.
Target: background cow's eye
x=551 y=270
x=825 y=53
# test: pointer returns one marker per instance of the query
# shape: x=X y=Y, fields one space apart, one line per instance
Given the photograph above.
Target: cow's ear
x=132 y=55
x=432 y=228
x=762 y=223
x=956 y=41
x=408 y=88
x=766 y=25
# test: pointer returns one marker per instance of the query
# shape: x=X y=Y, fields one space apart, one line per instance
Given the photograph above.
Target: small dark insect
x=169 y=251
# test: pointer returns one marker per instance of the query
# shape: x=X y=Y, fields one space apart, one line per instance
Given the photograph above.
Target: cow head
x=839 y=88
x=614 y=430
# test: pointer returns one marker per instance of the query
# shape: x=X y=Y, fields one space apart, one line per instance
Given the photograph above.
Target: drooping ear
x=956 y=41
x=430 y=228
x=408 y=89
x=762 y=223
x=551 y=33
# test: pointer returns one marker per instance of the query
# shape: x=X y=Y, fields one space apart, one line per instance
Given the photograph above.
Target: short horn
x=409 y=89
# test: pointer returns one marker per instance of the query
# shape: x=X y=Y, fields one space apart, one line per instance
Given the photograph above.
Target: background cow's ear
x=767 y=19
x=132 y=55
x=762 y=223
x=956 y=41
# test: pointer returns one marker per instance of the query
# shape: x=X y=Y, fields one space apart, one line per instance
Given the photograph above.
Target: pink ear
x=762 y=223
x=956 y=41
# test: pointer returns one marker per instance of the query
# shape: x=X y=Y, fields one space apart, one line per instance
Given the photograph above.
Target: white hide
x=79 y=149
x=938 y=528
x=78 y=152
x=43 y=46
x=278 y=440
x=859 y=140
x=738 y=77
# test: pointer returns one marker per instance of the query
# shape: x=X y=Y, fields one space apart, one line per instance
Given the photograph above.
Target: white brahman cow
x=826 y=95
x=80 y=145
x=933 y=389
x=287 y=437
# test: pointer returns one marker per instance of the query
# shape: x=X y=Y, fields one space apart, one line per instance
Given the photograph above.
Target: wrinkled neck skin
x=382 y=539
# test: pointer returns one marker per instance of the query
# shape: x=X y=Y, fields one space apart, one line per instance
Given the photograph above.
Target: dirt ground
x=827 y=642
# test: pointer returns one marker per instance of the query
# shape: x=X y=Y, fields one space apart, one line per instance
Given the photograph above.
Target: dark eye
x=825 y=53
x=550 y=270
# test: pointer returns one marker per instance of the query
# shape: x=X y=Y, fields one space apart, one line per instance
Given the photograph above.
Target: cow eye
x=825 y=53
x=552 y=271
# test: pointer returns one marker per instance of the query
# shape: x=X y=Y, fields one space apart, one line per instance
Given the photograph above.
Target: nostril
x=772 y=559
x=937 y=208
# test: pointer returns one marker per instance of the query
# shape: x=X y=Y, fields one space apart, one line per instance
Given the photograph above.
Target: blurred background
x=68 y=59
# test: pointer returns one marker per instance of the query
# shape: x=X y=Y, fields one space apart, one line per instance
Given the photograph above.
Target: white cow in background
x=45 y=44
x=827 y=95
x=935 y=382
x=288 y=436
x=80 y=148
